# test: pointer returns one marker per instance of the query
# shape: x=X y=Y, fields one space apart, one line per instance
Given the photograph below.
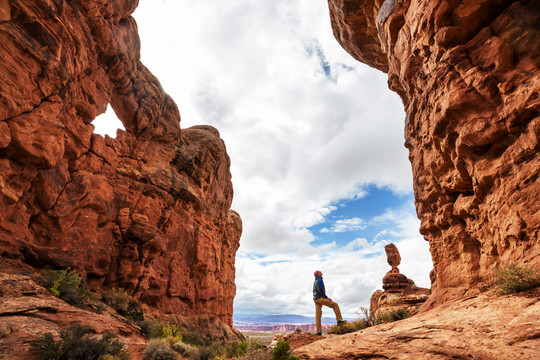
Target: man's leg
x=330 y=304
x=318 y=315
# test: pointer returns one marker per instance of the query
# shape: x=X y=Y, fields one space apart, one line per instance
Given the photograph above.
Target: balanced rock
x=400 y=292
x=392 y=256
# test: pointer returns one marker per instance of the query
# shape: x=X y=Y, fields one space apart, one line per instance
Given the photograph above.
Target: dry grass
x=264 y=337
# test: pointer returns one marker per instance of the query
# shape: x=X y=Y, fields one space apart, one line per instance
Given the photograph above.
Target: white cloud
x=312 y=218
x=356 y=244
x=305 y=126
x=344 y=225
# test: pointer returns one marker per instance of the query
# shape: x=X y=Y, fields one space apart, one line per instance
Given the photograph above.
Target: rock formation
x=468 y=75
x=147 y=211
x=28 y=310
x=400 y=292
x=487 y=327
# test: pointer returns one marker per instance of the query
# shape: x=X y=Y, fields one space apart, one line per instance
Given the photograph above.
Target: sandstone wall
x=147 y=211
x=468 y=75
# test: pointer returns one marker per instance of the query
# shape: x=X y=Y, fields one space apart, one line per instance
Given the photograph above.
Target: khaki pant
x=318 y=311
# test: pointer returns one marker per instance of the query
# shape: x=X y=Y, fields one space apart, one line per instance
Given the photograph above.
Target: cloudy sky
x=321 y=177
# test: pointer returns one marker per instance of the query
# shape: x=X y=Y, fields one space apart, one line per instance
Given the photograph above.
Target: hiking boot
x=341 y=322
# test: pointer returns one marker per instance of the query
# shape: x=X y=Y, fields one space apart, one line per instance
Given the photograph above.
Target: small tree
x=282 y=351
x=65 y=284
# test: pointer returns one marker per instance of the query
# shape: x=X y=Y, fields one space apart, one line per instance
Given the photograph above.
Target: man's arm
x=321 y=288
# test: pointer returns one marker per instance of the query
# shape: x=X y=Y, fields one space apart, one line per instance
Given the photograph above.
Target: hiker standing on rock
x=320 y=299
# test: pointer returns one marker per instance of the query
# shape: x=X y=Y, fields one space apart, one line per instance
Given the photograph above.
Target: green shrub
x=390 y=316
x=365 y=321
x=282 y=351
x=349 y=327
x=159 y=349
x=236 y=349
x=255 y=345
x=240 y=348
x=76 y=344
x=197 y=340
x=123 y=303
x=65 y=284
x=158 y=329
x=184 y=349
x=512 y=278
x=171 y=330
x=208 y=352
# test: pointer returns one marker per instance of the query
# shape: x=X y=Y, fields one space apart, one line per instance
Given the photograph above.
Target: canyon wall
x=468 y=75
x=149 y=210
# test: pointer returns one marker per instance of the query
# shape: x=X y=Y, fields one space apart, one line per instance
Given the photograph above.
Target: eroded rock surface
x=27 y=311
x=487 y=327
x=468 y=75
x=148 y=211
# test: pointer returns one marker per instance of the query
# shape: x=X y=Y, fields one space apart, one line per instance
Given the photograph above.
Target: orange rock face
x=148 y=211
x=468 y=75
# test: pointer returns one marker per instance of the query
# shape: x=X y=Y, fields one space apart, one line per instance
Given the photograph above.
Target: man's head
x=317 y=273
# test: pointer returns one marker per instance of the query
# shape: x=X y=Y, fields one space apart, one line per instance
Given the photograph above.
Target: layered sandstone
x=468 y=75
x=148 y=211
x=400 y=292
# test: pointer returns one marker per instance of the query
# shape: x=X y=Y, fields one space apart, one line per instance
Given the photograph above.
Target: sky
x=320 y=174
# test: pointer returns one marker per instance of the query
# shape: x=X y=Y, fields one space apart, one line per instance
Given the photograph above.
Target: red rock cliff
x=468 y=75
x=147 y=211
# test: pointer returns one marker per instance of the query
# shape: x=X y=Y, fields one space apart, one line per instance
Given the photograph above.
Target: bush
x=236 y=349
x=159 y=349
x=184 y=349
x=65 y=284
x=349 y=327
x=160 y=330
x=123 y=303
x=255 y=345
x=76 y=344
x=512 y=278
x=365 y=321
x=282 y=351
x=240 y=348
x=208 y=352
x=390 y=316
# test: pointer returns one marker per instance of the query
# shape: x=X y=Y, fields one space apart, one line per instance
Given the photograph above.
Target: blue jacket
x=318 y=289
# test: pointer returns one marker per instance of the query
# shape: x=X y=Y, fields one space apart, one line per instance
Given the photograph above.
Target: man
x=320 y=298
